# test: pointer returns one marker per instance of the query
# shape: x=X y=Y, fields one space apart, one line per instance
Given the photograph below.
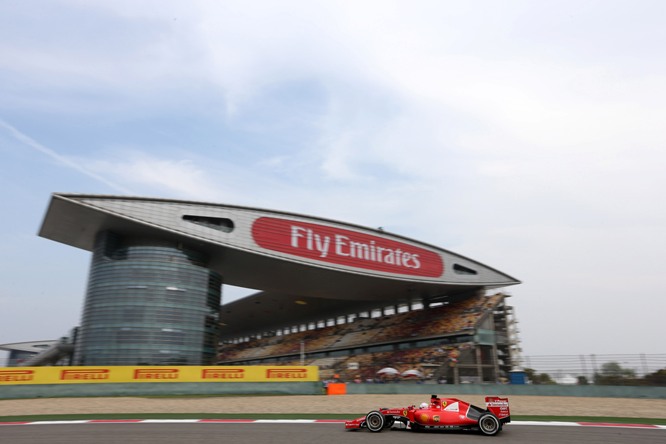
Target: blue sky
x=526 y=135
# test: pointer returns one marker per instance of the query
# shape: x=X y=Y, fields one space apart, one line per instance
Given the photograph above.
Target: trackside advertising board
x=112 y=374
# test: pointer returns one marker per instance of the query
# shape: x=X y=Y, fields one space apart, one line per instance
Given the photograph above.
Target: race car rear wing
x=499 y=407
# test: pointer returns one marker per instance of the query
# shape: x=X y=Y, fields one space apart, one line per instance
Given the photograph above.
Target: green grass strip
x=66 y=417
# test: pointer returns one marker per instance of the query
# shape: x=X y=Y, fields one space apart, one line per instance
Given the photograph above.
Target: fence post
x=584 y=366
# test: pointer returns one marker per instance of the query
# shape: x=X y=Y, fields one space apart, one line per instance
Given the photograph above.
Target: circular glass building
x=148 y=303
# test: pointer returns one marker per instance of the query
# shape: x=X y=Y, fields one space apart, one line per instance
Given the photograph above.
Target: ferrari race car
x=443 y=413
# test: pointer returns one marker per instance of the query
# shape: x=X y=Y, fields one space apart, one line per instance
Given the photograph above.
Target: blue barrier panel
x=517 y=377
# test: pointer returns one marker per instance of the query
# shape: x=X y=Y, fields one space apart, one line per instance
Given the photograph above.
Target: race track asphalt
x=318 y=433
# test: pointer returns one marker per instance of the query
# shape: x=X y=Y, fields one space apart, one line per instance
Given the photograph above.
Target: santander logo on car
x=345 y=247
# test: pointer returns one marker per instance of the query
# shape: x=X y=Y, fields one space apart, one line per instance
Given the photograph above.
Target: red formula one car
x=448 y=413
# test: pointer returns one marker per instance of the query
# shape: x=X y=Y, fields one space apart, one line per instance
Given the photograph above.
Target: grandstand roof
x=305 y=267
x=29 y=346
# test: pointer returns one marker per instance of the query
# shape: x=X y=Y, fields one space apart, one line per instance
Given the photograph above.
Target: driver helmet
x=424 y=405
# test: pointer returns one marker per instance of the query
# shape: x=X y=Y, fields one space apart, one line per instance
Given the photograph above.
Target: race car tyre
x=375 y=421
x=489 y=424
x=417 y=427
x=389 y=422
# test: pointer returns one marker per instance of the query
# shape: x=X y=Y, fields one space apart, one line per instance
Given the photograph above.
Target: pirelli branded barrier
x=122 y=374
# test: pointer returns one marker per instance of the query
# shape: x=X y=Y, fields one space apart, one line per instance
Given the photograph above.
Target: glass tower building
x=148 y=302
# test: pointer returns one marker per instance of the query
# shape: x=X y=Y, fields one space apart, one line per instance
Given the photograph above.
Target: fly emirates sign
x=345 y=247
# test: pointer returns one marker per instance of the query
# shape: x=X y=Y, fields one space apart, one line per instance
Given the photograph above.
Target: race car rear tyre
x=489 y=424
x=375 y=421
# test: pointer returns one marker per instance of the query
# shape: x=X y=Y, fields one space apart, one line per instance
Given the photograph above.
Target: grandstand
x=466 y=340
x=345 y=297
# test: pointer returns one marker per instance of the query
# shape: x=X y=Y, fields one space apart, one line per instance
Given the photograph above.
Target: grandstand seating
x=455 y=318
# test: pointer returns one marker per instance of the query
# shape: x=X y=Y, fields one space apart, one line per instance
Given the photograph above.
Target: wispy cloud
x=60 y=160
x=161 y=175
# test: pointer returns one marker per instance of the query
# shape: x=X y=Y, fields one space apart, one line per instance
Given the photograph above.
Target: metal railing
x=569 y=368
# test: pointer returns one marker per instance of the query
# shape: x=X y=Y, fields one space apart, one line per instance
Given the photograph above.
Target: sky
x=526 y=135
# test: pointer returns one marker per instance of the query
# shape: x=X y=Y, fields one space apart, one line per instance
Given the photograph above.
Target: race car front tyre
x=375 y=421
x=489 y=424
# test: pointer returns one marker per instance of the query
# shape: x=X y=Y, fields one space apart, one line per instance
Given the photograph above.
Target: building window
x=461 y=269
x=216 y=223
